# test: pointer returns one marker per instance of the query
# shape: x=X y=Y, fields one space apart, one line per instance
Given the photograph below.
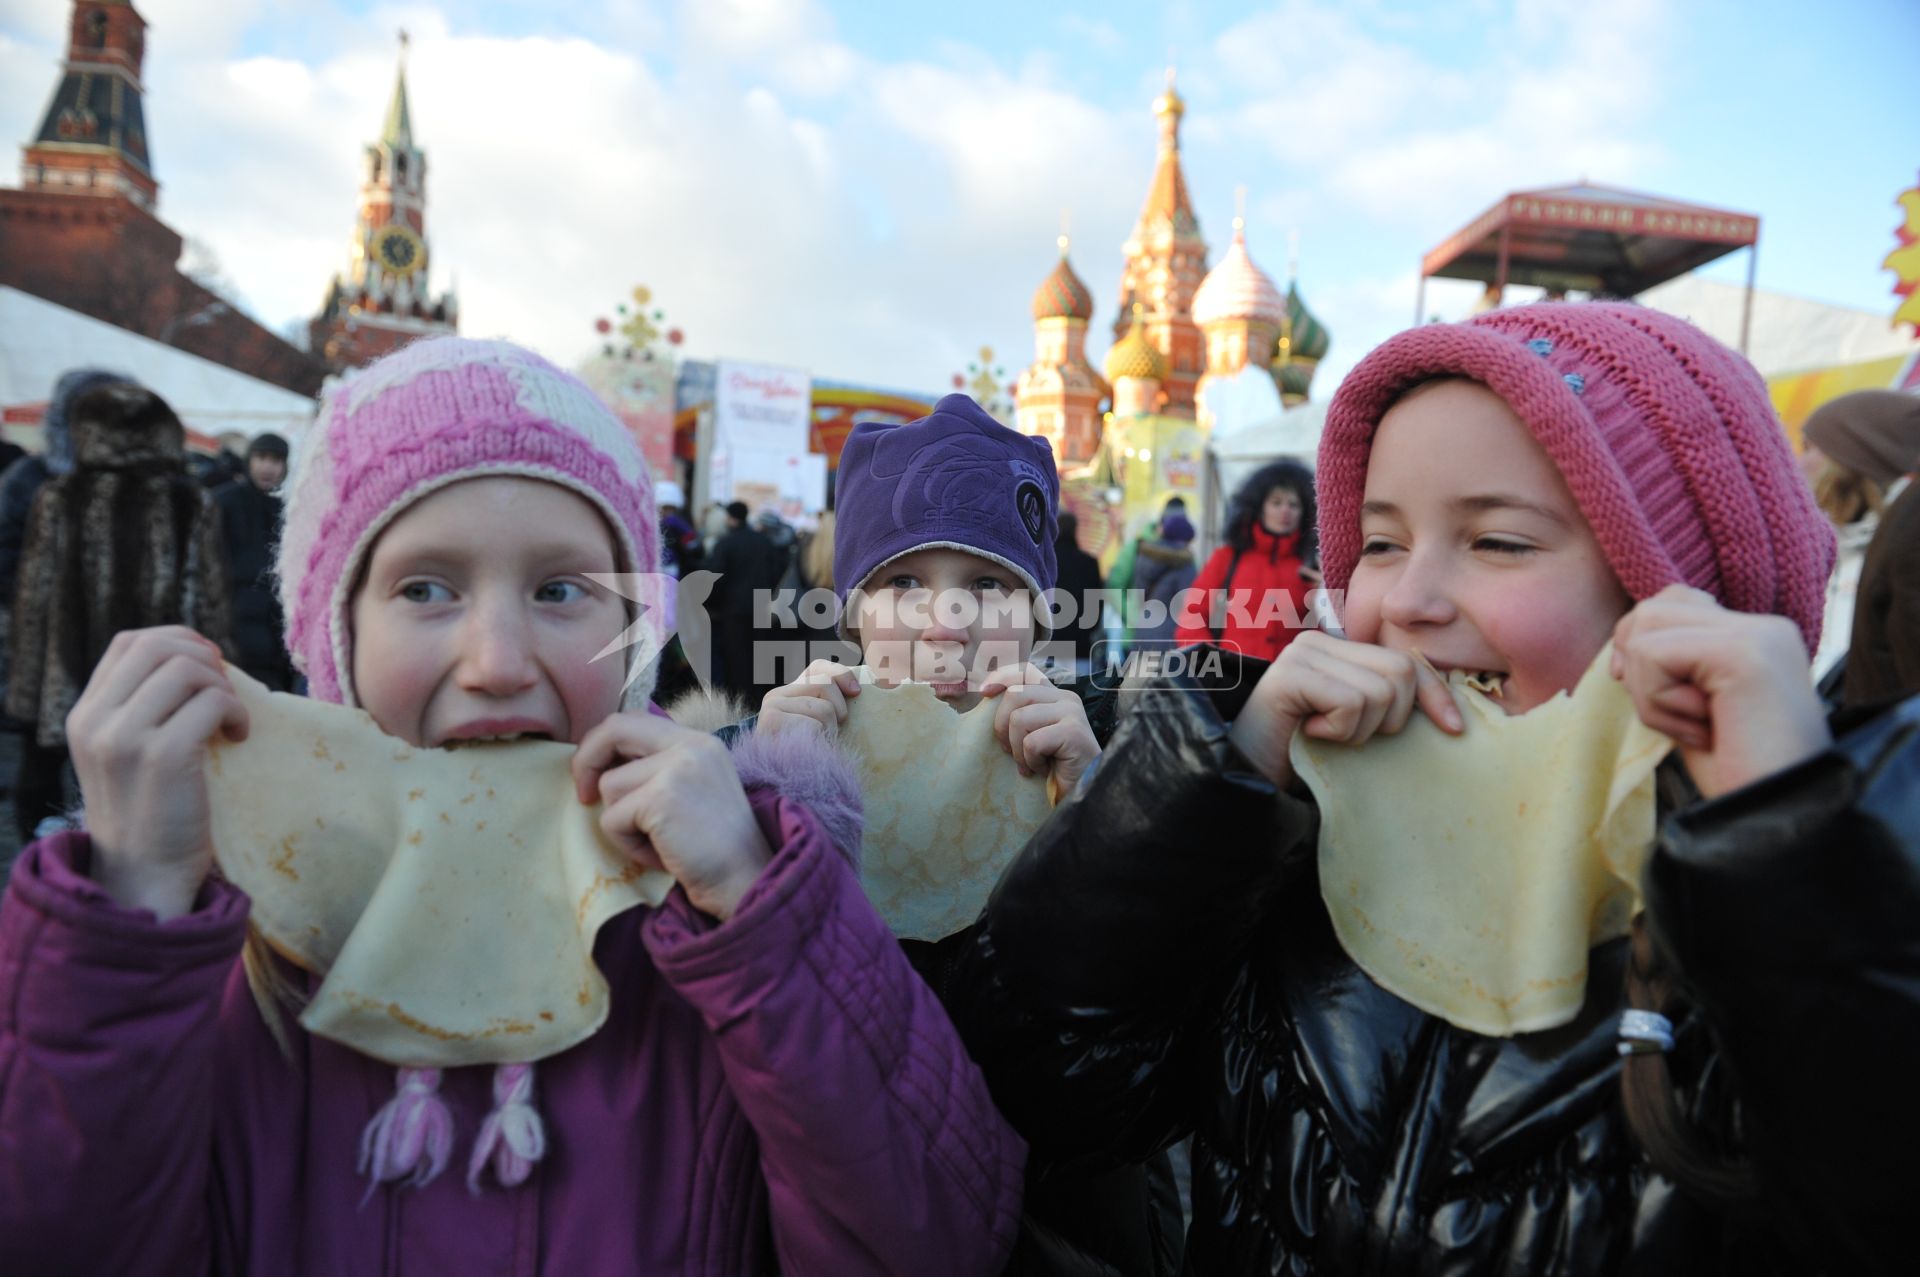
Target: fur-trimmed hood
x=802 y=765
x=126 y=427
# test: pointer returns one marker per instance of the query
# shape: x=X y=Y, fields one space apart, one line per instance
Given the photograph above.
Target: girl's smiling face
x=1473 y=551
x=1280 y=512
x=944 y=617
x=474 y=616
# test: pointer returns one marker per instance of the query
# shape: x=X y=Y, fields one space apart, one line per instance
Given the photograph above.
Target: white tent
x=1789 y=334
x=39 y=341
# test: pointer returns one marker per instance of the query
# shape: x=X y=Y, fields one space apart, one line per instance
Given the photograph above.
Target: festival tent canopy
x=39 y=341
x=1587 y=238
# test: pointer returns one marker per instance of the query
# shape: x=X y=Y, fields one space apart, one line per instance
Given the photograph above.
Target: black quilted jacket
x=1158 y=962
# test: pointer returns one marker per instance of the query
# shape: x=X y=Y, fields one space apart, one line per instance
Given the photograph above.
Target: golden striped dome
x=1134 y=356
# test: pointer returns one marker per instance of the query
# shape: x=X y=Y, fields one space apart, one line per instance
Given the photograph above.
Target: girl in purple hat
x=772 y=1089
x=1725 y=1086
x=944 y=558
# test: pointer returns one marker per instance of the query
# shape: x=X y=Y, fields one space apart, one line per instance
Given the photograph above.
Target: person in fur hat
x=122 y=541
x=23 y=478
x=1873 y=437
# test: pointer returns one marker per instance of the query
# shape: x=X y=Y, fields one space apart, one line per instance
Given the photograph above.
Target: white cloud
x=1371 y=115
x=790 y=41
x=793 y=199
x=1095 y=34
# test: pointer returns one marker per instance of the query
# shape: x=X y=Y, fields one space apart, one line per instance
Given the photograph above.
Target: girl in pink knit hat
x=1719 y=1080
x=771 y=1089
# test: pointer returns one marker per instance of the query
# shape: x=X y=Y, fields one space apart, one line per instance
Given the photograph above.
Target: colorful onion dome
x=1303 y=338
x=1237 y=289
x=1061 y=295
x=1134 y=356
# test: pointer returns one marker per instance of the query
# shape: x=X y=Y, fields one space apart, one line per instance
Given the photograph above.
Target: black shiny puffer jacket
x=1163 y=951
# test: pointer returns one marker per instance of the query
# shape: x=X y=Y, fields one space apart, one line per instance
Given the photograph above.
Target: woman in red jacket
x=1251 y=596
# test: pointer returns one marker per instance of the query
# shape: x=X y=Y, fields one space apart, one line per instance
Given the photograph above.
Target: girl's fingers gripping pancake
x=1369 y=690
x=1337 y=690
x=178 y=679
x=132 y=658
x=679 y=805
x=818 y=696
x=620 y=738
x=1024 y=739
x=1731 y=687
x=137 y=735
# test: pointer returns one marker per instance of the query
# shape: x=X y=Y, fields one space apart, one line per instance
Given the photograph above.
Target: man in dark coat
x=250 y=521
x=1079 y=581
x=748 y=563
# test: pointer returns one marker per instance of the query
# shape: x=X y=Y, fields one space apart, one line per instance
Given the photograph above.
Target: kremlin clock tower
x=382 y=301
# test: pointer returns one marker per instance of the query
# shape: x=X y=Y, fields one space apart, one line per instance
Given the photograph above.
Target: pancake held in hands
x=1471 y=875
x=946 y=807
x=448 y=898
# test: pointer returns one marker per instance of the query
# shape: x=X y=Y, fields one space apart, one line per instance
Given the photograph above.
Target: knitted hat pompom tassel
x=411 y=1137
x=513 y=1137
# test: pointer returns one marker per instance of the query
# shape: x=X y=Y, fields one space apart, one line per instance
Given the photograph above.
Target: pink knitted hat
x=1666 y=438
x=431 y=414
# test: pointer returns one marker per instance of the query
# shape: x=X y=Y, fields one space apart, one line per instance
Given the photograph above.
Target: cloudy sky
x=872 y=192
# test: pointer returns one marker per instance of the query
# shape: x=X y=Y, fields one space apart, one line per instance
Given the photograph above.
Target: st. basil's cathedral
x=1133 y=432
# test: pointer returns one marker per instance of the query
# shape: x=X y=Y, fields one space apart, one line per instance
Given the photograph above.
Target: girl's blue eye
x=991 y=584
x=903 y=582
x=425 y=592
x=561 y=592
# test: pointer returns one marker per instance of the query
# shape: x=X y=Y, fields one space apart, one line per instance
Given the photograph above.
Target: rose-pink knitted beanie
x=428 y=415
x=1666 y=438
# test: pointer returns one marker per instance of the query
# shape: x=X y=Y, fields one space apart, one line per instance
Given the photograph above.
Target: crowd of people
x=782 y=1085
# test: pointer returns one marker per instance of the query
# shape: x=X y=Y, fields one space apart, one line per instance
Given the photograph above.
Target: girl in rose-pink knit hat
x=768 y=1085
x=1380 y=1069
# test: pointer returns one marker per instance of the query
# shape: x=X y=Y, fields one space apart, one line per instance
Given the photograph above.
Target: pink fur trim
x=812 y=771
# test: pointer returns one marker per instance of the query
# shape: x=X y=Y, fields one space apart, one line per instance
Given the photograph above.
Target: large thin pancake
x=1471 y=875
x=946 y=807
x=448 y=898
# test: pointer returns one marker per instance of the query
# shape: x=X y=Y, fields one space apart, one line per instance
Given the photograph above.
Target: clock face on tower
x=398 y=249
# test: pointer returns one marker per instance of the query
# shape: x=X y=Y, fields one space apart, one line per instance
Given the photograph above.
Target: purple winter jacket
x=778 y=1093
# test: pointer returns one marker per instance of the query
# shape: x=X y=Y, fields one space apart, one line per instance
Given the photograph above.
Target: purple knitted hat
x=428 y=415
x=956 y=480
x=1666 y=439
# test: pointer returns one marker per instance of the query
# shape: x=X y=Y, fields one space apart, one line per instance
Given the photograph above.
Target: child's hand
x=1042 y=725
x=674 y=802
x=138 y=735
x=1731 y=688
x=818 y=698
x=1336 y=690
